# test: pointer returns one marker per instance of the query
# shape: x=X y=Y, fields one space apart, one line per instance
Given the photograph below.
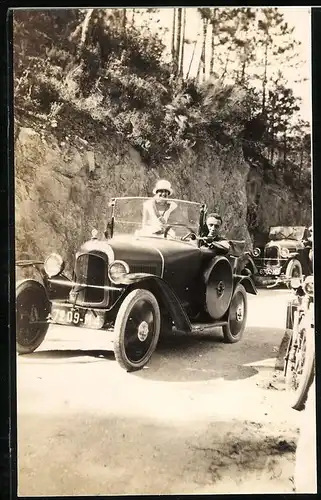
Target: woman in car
x=157 y=210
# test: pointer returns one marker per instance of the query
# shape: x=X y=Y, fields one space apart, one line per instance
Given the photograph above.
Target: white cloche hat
x=163 y=185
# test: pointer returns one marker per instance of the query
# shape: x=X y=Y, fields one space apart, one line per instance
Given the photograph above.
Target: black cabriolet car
x=137 y=285
x=284 y=256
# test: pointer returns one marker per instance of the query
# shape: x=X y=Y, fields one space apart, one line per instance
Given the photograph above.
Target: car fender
x=39 y=285
x=251 y=260
x=213 y=263
x=246 y=259
x=31 y=280
x=247 y=282
x=162 y=291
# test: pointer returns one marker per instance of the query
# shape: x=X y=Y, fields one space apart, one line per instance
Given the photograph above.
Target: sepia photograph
x=164 y=273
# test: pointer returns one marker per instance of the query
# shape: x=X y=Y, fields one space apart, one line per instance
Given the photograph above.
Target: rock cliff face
x=276 y=205
x=66 y=175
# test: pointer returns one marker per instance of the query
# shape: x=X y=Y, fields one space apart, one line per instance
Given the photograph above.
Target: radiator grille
x=271 y=253
x=90 y=270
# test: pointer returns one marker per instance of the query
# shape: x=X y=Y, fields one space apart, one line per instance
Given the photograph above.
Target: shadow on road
x=71 y=353
x=204 y=357
x=190 y=357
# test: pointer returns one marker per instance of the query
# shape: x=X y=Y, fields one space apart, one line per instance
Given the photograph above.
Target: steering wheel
x=183 y=238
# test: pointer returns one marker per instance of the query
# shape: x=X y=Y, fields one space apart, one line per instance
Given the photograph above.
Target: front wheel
x=293 y=270
x=237 y=315
x=32 y=308
x=300 y=368
x=137 y=329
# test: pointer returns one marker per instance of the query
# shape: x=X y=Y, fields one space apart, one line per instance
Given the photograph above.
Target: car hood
x=146 y=254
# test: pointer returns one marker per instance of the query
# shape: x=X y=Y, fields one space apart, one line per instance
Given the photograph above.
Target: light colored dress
x=155 y=216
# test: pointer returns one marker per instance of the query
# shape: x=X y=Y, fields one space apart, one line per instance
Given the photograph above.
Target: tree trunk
x=213 y=43
x=124 y=19
x=178 y=36
x=199 y=69
x=205 y=24
x=85 y=25
x=242 y=80
x=285 y=149
x=227 y=60
x=190 y=64
x=133 y=17
x=272 y=148
x=301 y=164
x=173 y=36
x=181 y=68
x=264 y=78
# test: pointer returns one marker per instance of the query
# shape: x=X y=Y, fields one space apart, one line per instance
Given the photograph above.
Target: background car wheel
x=293 y=270
x=137 y=329
x=300 y=372
x=32 y=308
x=233 y=331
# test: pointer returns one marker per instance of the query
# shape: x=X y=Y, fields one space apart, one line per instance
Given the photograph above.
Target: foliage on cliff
x=97 y=62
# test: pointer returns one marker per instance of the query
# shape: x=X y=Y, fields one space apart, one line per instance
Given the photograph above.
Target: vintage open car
x=284 y=256
x=137 y=285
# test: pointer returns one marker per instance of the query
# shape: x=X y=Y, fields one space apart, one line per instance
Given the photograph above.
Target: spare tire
x=219 y=287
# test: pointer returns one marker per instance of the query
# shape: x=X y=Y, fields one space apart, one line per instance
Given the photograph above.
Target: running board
x=202 y=327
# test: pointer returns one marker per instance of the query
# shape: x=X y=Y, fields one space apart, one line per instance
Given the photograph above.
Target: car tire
x=137 y=329
x=298 y=397
x=237 y=316
x=293 y=270
x=32 y=307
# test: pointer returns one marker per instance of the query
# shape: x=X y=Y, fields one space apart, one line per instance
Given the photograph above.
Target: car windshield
x=129 y=220
x=287 y=232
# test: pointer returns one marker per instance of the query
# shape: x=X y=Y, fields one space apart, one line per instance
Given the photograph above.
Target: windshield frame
x=282 y=230
x=110 y=231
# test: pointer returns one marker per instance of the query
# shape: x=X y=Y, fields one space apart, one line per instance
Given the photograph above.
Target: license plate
x=270 y=271
x=77 y=317
x=67 y=316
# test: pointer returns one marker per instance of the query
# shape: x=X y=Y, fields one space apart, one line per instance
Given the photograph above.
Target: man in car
x=157 y=210
x=214 y=239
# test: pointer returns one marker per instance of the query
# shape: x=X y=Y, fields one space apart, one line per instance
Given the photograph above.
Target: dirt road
x=203 y=417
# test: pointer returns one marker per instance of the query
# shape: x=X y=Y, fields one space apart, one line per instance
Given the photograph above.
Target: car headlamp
x=117 y=271
x=308 y=285
x=284 y=252
x=53 y=265
x=256 y=252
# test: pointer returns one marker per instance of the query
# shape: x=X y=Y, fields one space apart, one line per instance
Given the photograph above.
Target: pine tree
x=275 y=37
x=178 y=39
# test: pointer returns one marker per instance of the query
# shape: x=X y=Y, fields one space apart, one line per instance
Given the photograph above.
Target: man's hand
x=220 y=245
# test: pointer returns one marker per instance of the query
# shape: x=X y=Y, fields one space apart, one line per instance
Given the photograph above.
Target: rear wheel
x=237 y=315
x=137 y=329
x=32 y=307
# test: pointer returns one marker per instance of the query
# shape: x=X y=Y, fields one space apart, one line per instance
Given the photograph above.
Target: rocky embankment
x=66 y=171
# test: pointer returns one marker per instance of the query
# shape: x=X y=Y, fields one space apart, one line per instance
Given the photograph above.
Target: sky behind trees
x=297 y=17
